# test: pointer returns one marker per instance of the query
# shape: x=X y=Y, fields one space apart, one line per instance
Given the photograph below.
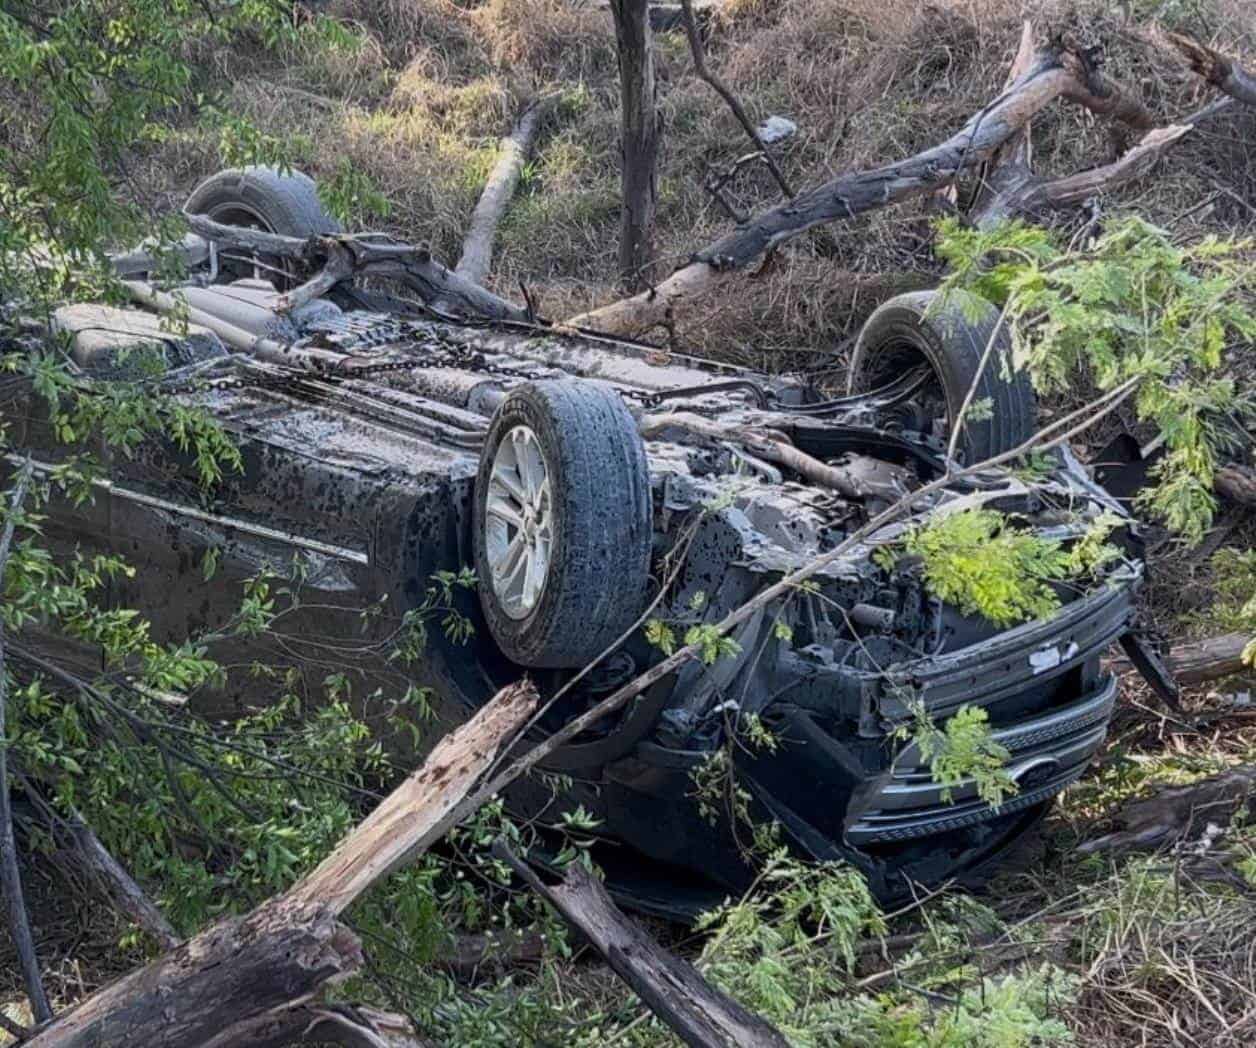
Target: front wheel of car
x=562 y=524
x=948 y=338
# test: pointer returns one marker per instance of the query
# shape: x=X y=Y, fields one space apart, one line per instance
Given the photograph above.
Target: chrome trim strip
x=355 y=556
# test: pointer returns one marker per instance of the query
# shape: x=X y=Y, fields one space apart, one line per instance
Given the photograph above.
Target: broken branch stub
x=1053 y=74
x=1018 y=193
x=1223 y=73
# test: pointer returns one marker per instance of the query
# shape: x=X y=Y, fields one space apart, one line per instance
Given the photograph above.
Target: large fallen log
x=1058 y=73
x=230 y=984
x=672 y=988
x=512 y=154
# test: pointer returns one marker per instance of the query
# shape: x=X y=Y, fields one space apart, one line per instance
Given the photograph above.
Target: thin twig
x=722 y=89
x=10 y=875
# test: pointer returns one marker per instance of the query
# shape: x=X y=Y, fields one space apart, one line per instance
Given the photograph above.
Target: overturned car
x=596 y=488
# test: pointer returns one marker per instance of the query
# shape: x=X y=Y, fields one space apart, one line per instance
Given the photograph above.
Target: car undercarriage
x=596 y=486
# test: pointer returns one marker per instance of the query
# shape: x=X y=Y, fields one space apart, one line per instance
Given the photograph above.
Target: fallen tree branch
x=330 y=1023
x=473 y=955
x=1054 y=74
x=671 y=987
x=17 y=1031
x=10 y=875
x=1199 y=661
x=512 y=154
x=723 y=90
x=253 y=968
x=118 y=884
x=1019 y=193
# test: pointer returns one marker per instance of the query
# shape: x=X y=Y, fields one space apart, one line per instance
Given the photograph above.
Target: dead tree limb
x=512 y=153
x=671 y=987
x=1053 y=74
x=730 y=99
x=1221 y=72
x=252 y=968
x=1019 y=193
x=329 y=1023
x=118 y=884
x=774 y=447
x=10 y=875
x=1180 y=811
x=639 y=141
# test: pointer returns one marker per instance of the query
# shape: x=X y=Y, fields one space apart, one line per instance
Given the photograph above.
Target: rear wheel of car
x=262 y=198
x=562 y=523
x=948 y=337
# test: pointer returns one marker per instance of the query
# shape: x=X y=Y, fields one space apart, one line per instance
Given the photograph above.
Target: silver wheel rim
x=519 y=523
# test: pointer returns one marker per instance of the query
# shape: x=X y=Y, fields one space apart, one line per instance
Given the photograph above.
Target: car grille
x=1047 y=753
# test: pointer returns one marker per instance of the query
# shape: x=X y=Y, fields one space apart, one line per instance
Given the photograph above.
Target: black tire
x=263 y=198
x=914 y=328
x=602 y=530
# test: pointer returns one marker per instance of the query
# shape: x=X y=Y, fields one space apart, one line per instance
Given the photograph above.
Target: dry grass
x=420 y=106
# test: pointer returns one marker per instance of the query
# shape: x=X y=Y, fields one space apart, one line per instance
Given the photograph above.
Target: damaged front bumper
x=870 y=799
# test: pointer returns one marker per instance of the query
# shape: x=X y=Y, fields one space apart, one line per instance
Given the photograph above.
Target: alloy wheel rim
x=519 y=531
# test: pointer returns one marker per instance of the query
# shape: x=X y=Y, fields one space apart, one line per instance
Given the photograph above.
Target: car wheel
x=562 y=524
x=262 y=198
x=949 y=337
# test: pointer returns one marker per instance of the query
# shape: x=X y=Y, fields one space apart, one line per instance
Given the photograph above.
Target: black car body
x=368 y=478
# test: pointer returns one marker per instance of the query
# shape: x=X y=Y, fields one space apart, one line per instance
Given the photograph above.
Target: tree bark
x=1179 y=811
x=1199 y=661
x=1237 y=483
x=639 y=142
x=118 y=884
x=513 y=152
x=249 y=970
x=1052 y=75
x=671 y=988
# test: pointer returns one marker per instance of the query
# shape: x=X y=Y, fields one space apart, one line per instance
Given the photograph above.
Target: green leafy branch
x=1134 y=305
